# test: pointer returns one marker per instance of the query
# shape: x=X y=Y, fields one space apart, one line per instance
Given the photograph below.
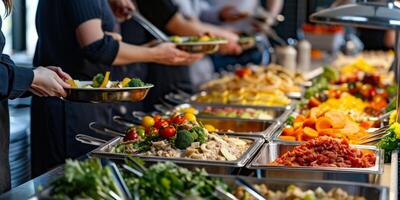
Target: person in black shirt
x=165 y=15
x=15 y=81
x=78 y=35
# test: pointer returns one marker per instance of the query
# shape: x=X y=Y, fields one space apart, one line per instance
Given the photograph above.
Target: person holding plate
x=79 y=36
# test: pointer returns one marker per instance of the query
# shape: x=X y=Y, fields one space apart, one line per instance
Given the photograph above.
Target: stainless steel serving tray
x=104 y=151
x=273 y=150
x=368 y=191
x=107 y=95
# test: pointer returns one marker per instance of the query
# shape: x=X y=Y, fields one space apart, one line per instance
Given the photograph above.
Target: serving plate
x=106 y=95
x=273 y=150
x=200 y=47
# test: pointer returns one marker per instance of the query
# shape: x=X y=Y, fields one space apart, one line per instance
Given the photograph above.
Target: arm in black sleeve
x=158 y=12
x=101 y=51
x=15 y=81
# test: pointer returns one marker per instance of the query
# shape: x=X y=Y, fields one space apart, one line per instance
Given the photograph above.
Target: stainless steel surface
x=249 y=188
x=105 y=151
x=375 y=15
x=157 y=33
x=85 y=139
x=273 y=150
x=358 y=189
x=105 y=130
x=107 y=95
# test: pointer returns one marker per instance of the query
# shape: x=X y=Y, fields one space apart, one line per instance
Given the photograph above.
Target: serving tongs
x=375 y=136
x=105 y=130
x=118 y=179
x=249 y=188
x=138 y=169
x=153 y=30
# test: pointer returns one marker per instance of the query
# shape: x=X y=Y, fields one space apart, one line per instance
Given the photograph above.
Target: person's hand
x=114 y=35
x=49 y=82
x=231 y=48
x=167 y=53
x=122 y=8
x=230 y=14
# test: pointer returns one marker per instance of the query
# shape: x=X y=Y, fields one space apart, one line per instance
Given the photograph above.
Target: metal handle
x=174 y=98
x=161 y=108
x=139 y=115
x=157 y=33
x=123 y=121
x=104 y=130
x=250 y=189
x=85 y=139
x=120 y=182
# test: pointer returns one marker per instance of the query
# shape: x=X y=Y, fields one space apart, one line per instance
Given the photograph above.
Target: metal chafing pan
x=368 y=191
x=180 y=99
x=273 y=150
x=105 y=151
x=107 y=95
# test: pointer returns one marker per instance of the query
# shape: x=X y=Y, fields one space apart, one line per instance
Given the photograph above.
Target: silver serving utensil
x=118 y=178
x=222 y=194
x=374 y=136
x=250 y=189
x=153 y=30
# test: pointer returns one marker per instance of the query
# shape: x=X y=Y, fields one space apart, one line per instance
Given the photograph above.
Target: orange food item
x=288 y=131
x=300 y=118
x=309 y=132
x=287 y=138
x=310 y=122
x=323 y=123
x=336 y=133
x=350 y=128
x=338 y=119
x=299 y=134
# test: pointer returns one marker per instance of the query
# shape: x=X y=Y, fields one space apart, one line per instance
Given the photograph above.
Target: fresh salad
x=103 y=81
x=204 y=38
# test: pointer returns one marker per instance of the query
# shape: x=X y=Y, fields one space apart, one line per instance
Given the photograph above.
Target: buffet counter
x=388 y=179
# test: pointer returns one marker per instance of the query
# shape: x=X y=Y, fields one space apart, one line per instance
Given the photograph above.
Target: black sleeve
x=104 y=50
x=15 y=81
x=81 y=11
x=158 y=12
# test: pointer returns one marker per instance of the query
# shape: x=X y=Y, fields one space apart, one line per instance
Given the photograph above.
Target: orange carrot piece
x=311 y=133
x=310 y=122
x=336 y=133
x=287 y=138
x=323 y=123
x=300 y=118
x=288 y=131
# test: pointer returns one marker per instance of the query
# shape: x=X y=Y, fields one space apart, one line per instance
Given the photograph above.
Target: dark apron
x=5 y=182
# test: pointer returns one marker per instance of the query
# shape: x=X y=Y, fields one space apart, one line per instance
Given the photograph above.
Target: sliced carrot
x=300 y=137
x=298 y=133
x=297 y=125
x=331 y=132
x=300 y=118
x=337 y=117
x=323 y=123
x=310 y=122
x=287 y=138
x=288 y=131
x=309 y=132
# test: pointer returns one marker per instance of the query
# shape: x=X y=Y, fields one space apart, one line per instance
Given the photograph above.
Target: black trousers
x=5 y=182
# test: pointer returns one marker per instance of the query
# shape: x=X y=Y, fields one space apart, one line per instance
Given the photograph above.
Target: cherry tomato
x=131 y=135
x=161 y=123
x=151 y=131
x=242 y=72
x=179 y=119
x=191 y=117
x=148 y=121
x=167 y=132
x=313 y=102
x=157 y=118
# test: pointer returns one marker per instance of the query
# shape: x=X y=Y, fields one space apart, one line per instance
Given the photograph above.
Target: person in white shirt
x=237 y=13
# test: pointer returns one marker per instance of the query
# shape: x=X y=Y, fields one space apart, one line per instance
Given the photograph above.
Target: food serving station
x=260 y=132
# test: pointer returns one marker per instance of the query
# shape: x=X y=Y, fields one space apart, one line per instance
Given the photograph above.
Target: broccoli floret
x=201 y=135
x=183 y=139
x=135 y=82
x=98 y=80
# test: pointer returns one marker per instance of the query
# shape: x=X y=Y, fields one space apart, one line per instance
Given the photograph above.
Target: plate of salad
x=102 y=90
